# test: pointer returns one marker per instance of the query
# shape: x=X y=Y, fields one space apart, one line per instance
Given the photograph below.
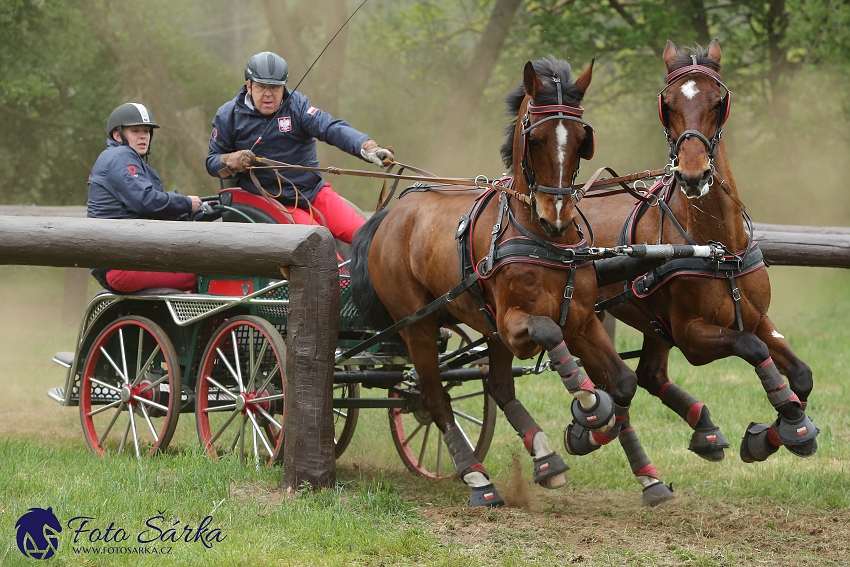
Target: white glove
x=374 y=153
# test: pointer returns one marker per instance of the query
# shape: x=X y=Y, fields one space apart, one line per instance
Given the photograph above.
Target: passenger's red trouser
x=339 y=217
x=127 y=281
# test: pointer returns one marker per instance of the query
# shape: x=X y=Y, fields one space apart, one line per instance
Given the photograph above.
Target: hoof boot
x=597 y=416
x=485 y=496
x=807 y=449
x=709 y=444
x=655 y=494
x=577 y=440
x=547 y=470
x=755 y=446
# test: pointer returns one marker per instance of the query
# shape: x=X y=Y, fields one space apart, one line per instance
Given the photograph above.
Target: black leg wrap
x=756 y=445
x=577 y=440
x=655 y=494
x=461 y=453
x=799 y=436
x=485 y=496
x=599 y=415
x=709 y=444
x=523 y=424
x=549 y=466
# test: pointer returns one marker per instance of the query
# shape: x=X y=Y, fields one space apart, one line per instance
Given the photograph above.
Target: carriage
x=223 y=350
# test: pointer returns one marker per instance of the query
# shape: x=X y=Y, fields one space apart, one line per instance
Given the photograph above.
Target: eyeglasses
x=274 y=89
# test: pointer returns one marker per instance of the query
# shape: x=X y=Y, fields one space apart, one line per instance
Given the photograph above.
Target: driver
x=123 y=186
x=280 y=124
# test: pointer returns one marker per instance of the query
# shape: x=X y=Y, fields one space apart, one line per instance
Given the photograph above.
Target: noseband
x=722 y=110
x=558 y=111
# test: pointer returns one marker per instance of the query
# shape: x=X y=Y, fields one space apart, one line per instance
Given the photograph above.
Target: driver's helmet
x=267 y=68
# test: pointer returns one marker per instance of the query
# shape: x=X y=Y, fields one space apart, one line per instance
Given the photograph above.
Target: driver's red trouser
x=129 y=281
x=338 y=216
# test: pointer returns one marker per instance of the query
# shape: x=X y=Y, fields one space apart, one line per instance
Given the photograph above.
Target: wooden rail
x=305 y=254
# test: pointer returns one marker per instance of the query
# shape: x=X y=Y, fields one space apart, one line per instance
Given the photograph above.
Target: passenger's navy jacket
x=290 y=139
x=123 y=186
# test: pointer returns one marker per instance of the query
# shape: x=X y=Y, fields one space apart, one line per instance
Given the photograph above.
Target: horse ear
x=670 y=53
x=714 y=50
x=584 y=80
x=531 y=82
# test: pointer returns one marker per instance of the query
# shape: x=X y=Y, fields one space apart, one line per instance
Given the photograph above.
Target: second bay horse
x=708 y=310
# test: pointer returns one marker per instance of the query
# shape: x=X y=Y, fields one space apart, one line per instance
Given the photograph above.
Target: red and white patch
x=131 y=169
x=802 y=430
x=711 y=438
x=284 y=123
x=312 y=110
x=544 y=467
x=489 y=496
x=215 y=133
x=592 y=418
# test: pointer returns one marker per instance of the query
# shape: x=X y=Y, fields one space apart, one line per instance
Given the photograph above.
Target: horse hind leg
x=421 y=340
x=654 y=490
x=707 y=440
x=549 y=468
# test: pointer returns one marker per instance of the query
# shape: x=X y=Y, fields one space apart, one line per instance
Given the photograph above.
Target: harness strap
x=736 y=298
x=568 y=295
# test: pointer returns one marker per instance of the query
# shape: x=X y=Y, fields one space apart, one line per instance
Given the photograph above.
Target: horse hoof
x=485 y=496
x=709 y=444
x=806 y=449
x=549 y=471
x=554 y=482
x=655 y=494
x=755 y=446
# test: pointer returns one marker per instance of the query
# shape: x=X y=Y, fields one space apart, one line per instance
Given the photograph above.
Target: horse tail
x=373 y=313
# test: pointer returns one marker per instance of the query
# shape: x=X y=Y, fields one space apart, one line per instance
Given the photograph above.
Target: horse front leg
x=421 y=340
x=608 y=371
x=707 y=440
x=549 y=469
x=705 y=342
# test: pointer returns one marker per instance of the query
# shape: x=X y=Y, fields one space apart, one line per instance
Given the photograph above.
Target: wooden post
x=236 y=249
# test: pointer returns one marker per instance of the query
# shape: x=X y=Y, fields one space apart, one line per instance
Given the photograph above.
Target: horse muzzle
x=693 y=185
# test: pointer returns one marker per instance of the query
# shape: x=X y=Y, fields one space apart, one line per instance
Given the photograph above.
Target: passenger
x=267 y=119
x=123 y=186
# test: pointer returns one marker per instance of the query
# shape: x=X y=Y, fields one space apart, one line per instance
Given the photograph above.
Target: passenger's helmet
x=129 y=114
x=267 y=68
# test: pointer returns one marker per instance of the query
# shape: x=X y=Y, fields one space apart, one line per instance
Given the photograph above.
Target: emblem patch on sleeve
x=284 y=123
x=312 y=110
x=131 y=169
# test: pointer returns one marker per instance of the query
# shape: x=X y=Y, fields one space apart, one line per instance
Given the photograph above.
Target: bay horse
x=521 y=253
x=708 y=310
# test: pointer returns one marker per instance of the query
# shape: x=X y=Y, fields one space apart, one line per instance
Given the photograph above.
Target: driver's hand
x=196 y=202
x=238 y=161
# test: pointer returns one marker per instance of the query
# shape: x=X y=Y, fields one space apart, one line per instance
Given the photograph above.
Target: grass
x=786 y=510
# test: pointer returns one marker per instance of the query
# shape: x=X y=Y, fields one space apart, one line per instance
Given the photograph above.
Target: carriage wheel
x=420 y=443
x=130 y=389
x=345 y=419
x=239 y=398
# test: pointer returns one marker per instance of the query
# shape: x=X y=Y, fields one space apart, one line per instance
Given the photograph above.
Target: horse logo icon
x=38 y=533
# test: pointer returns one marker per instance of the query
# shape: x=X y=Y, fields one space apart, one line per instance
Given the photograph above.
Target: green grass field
x=786 y=510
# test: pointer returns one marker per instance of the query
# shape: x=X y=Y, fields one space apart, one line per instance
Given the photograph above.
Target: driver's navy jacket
x=123 y=186
x=290 y=139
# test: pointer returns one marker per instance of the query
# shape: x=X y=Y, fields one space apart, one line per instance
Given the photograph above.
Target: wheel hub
x=241 y=402
x=126 y=394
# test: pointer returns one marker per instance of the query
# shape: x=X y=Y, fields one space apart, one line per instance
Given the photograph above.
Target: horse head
x=548 y=139
x=693 y=107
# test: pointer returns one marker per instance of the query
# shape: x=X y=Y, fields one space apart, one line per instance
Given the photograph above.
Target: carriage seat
x=154 y=291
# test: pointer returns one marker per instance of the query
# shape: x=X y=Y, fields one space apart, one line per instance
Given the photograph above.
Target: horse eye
x=534 y=142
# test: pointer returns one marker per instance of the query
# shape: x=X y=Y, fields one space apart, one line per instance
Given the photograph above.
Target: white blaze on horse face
x=561 y=137
x=690 y=89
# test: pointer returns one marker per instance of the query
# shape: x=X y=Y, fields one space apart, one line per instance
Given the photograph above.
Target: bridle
x=558 y=111
x=722 y=110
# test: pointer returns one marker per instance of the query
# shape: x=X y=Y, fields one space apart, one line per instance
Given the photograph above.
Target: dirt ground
x=588 y=526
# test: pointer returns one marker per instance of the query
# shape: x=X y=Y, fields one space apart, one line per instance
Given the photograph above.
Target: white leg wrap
x=476 y=479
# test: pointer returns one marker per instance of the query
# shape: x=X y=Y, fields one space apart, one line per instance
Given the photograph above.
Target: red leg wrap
x=694 y=413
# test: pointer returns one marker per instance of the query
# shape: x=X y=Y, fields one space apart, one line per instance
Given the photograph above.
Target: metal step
x=65 y=359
